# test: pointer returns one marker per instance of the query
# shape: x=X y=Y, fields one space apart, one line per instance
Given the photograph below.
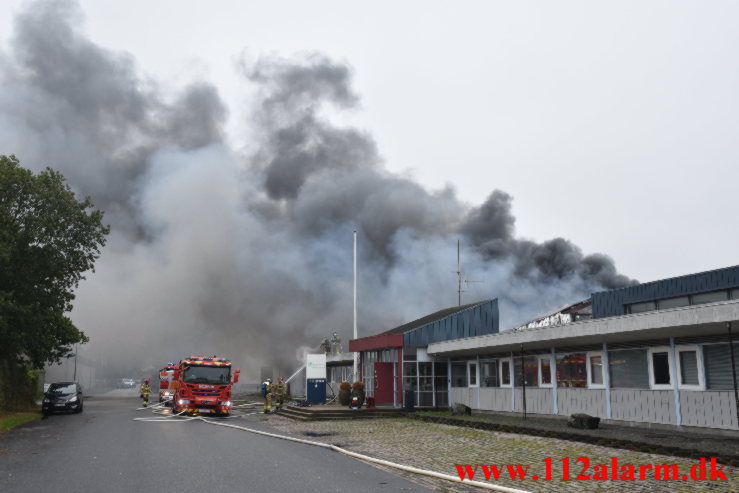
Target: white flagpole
x=356 y=354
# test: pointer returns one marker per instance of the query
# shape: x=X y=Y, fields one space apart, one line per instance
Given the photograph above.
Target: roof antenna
x=459 y=279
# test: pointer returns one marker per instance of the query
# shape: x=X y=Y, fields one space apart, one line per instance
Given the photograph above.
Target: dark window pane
x=426 y=399
x=697 y=299
x=459 y=374
x=442 y=399
x=628 y=369
x=424 y=369
x=661 y=368
x=440 y=383
x=505 y=372
x=642 y=307
x=571 y=370
x=409 y=369
x=735 y=294
x=673 y=302
x=546 y=371
x=530 y=371
x=410 y=383
x=688 y=367
x=717 y=359
x=425 y=383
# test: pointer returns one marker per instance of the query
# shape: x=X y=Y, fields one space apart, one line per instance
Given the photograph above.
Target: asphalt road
x=104 y=449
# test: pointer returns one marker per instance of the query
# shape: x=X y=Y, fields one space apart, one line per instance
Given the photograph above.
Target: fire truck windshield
x=216 y=375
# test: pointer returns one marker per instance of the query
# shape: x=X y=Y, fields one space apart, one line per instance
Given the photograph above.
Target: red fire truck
x=166 y=382
x=203 y=385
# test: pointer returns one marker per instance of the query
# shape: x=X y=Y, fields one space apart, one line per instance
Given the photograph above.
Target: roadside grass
x=10 y=420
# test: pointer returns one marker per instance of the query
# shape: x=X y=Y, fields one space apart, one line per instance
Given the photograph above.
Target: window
x=545 y=371
x=571 y=370
x=505 y=372
x=459 y=374
x=659 y=368
x=711 y=297
x=628 y=369
x=595 y=370
x=530 y=371
x=472 y=373
x=647 y=306
x=673 y=302
x=489 y=374
x=718 y=366
x=735 y=294
x=690 y=368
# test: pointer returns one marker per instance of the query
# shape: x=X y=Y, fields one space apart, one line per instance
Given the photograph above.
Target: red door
x=383 y=383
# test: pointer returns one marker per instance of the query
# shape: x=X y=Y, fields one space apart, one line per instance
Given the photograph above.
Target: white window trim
x=698 y=361
x=588 y=369
x=510 y=373
x=548 y=357
x=650 y=366
x=477 y=374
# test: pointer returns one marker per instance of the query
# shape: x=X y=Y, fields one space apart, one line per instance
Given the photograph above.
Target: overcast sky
x=612 y=124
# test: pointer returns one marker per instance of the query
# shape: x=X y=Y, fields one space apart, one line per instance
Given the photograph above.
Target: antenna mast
x=459 y=278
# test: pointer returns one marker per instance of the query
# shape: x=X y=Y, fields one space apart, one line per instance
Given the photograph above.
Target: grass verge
x=10 y=420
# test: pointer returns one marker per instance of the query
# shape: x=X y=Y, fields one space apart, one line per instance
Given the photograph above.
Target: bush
x=358 y=386
x=345 y=386
x=18 y=386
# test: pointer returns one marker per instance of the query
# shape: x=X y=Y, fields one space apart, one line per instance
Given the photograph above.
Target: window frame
x=698 y=361
x=650 y=367
x=501 y=361
x=552 y=371
x=477 y=374
x=588 y=369
x=492 y=362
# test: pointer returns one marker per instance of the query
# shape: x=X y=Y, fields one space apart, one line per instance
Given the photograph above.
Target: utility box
x=315 y=378
x=316 y=390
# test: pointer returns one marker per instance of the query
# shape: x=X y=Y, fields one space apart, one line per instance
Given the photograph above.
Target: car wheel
x=79 y=408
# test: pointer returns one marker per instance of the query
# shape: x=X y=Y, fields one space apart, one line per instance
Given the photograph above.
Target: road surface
x=104 y=449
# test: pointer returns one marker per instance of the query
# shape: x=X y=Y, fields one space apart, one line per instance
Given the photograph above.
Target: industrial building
x=655 y=352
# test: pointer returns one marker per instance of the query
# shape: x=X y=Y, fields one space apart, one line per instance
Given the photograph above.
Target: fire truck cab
x=203 y=385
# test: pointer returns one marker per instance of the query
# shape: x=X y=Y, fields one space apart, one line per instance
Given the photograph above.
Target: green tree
x=48 y=240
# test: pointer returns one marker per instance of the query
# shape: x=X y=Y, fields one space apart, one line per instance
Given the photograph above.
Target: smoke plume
x=250 y=256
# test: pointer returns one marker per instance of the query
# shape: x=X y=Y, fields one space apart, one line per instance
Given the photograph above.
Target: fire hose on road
x=366 y=458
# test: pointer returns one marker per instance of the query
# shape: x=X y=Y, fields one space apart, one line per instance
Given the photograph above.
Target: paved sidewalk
x=439 y=447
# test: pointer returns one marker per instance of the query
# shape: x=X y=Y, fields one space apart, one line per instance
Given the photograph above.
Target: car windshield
x=62 y=388
x=207 y=374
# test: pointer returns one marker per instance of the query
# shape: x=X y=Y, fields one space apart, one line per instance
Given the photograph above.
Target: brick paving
x=439 y=447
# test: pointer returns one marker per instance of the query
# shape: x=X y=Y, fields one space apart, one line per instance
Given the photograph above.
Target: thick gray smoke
x=250 y=256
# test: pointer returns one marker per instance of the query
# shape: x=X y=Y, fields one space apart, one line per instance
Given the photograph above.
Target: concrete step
x=323 y=413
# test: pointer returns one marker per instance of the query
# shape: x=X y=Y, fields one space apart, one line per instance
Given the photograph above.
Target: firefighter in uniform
x=144 y=391
x=267 y=394
x=280 y=389
x=336 y=343
x=325 y=346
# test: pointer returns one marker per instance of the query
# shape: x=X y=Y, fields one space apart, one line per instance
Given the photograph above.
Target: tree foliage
x=48 y=240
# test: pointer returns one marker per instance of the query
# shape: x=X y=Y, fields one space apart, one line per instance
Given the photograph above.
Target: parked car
x=126 y=383
x=62 y=396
